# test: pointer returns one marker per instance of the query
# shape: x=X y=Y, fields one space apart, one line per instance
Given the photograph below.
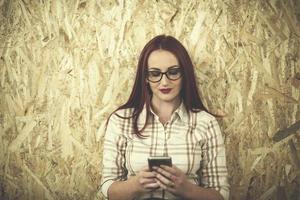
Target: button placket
x=166 y=137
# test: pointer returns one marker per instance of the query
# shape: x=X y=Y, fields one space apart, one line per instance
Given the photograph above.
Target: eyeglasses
x=156 y=75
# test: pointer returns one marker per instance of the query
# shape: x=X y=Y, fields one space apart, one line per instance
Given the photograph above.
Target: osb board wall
x=65 y=65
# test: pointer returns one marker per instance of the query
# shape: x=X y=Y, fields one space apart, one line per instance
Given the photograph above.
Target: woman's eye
x=154 y=73
x=174 y=71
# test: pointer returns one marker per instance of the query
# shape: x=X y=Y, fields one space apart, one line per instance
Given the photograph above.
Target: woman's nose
x=164 y=80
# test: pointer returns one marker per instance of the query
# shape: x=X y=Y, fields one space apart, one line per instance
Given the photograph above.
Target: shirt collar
x=181 y=112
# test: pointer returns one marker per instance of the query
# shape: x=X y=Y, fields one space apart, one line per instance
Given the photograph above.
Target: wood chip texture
x=66 y=65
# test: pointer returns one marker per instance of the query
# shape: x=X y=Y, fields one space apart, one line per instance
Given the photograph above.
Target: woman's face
x=164 y=89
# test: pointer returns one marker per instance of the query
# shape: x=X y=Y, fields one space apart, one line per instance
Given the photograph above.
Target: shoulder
x=120 y=116
x=208 y=126
x=204 y=118
x=117 y=124
x=122 y=113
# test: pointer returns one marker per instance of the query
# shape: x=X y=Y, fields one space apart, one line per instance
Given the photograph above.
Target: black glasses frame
x=165 y=73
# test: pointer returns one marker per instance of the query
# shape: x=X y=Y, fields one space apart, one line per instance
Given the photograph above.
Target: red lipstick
x=165 y=91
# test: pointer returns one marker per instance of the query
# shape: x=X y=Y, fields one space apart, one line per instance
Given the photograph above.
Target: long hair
x=141 y=93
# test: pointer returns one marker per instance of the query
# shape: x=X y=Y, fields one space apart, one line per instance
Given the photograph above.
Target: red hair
x=141 y=93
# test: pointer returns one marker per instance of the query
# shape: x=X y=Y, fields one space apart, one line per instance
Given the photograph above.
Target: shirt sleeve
x=214 y=170
x=114 y=147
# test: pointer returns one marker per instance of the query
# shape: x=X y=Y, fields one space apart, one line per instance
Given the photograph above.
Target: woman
x=164 y=116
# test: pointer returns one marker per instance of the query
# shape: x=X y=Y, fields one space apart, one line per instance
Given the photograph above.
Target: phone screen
x=157 y=161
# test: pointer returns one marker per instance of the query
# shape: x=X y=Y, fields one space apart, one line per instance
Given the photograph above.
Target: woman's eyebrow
x=154 y=68
x=171 y=67
x=174 y=66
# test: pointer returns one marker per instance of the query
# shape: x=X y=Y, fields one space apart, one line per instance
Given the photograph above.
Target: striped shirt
x=193 y=141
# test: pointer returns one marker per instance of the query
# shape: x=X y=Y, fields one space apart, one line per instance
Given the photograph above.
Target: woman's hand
x=172 y=179
x=145 y=180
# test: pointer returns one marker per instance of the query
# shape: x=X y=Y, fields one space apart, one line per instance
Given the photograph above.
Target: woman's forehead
x=162 y=59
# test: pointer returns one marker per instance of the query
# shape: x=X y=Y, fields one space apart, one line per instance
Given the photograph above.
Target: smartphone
x=159 y=160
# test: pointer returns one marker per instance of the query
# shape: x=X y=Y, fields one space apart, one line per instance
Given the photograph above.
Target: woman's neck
x=164 y=110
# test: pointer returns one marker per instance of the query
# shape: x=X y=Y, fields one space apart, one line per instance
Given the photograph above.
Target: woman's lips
x=165 y=91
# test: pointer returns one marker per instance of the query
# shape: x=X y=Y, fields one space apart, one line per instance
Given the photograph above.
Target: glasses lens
x=154 y=76
x=171 y=74
x=174 y=74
